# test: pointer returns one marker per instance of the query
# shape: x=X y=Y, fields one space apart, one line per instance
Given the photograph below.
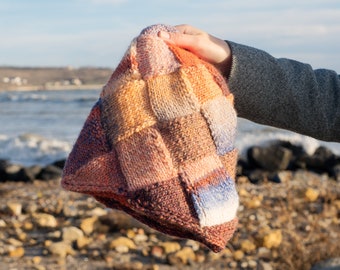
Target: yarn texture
x=159 y=143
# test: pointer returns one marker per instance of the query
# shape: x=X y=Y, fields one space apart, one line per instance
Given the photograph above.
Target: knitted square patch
x=222 y=123
x=171 y=96
x=144 y=159
x=122 y=120
x=211 y=201
x=182 y=133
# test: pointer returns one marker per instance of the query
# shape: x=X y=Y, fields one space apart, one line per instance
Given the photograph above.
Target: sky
x=97 y=32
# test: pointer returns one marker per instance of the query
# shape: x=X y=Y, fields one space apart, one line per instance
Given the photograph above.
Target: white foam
x=28 y=149
x=250 y=134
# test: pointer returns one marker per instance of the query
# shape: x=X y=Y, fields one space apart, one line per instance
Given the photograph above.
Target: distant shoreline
x=54 y=88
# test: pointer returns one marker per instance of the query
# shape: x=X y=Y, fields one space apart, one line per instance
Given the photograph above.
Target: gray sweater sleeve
x=285 y=93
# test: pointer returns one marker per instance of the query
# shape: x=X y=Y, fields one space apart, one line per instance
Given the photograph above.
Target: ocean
x=40 y=127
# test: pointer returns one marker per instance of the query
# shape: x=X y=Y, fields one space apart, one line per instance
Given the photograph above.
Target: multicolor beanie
x=159 y=143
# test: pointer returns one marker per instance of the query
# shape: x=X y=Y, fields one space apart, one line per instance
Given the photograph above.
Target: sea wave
x=250 y=134
x=44 y=96
x=30 y=149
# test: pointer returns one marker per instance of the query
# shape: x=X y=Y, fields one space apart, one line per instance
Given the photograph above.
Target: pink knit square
x=171 y=96
x=161 y=61
x=195 y=171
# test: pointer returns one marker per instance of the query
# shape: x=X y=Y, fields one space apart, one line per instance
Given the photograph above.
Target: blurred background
x=75 y=35
x=97 y=32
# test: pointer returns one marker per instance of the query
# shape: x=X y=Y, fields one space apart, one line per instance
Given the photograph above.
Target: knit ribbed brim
x=159 y=143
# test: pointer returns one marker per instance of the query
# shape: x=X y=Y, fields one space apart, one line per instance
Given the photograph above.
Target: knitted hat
x=159 y=143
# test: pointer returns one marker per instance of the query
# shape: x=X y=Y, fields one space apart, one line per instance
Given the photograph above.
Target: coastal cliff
x=52 y=78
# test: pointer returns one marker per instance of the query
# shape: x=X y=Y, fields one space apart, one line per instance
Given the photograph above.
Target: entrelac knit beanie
x=159 y=143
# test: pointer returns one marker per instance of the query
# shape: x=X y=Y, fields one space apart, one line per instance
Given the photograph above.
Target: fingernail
x=164 y=35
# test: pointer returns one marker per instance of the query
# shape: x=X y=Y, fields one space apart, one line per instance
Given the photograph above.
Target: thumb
x=181 y=40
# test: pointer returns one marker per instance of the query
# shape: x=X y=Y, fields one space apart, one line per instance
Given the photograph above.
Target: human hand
x=207 y=47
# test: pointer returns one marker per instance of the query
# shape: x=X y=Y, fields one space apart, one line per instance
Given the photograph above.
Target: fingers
x=188 y=29
x=181 y=40
x=187 y=36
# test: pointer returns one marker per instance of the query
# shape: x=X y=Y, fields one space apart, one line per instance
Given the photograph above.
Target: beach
x=289 y=218
x=289 y=214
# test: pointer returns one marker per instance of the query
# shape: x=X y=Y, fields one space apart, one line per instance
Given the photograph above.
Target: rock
x=335 y=172
x=273 y=239
x=271 y=158
x=89 y=225
x=264 y=253
x=34 y=170
x=122 y=249
x=311 y=195
x=170 y=247
x=247 y=246
x=71 y=234
x=36 y=260
x=330 y=264
x=50 y=172
x=122 y=241
x=14 y=242
x=129 y=266
x=82 y=242
x=238 y=255
x=264 y=266
x=10 y=171
x=157 y=251
x=140 y=238
x=2 y=223
x=322 y=160
x=14 y=208
x=59 y=163
x=24 y=175
x=257 y=176
x=3 y=165
x=183 y=256
x=45 y=220
x=254 y=202
x=252 y=264
x=61 y=249
x=69 y=210
x=17 y=252
x=98 y=211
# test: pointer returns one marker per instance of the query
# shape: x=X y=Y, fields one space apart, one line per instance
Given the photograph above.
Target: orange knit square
x=202 y=82
x=124 y=119
x=181 y=134
x=144 y=159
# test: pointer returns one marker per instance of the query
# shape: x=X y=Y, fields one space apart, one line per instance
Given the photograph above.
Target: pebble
x=170 y=247
x=72 y=231
x=83 y=242
x=273 y=239
x=36 y=260
x=45 y=220
x=183 y=256
x=247 y=246
x=88 y=225
x=61 y=249
x=238 y=255
x=17 y=252
x=122 y=241
x=311 y=194
x=71 y=234
x=14 y=208
x=157 y=251
x=2 y=223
